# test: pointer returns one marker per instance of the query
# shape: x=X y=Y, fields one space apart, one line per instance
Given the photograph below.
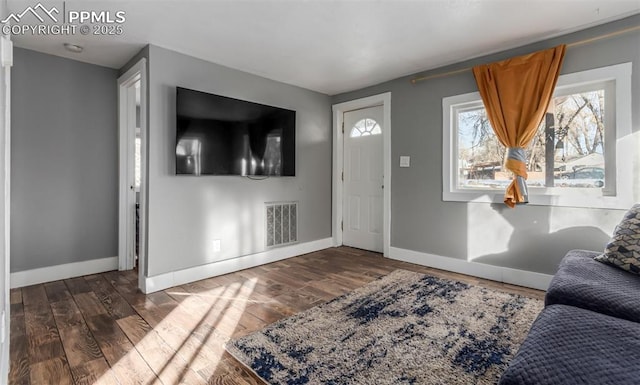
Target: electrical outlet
x=216 y=245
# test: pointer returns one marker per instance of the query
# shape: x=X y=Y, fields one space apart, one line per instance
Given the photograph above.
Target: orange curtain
x=516 y=93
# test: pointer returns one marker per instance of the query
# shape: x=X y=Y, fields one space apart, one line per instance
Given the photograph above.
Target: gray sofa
x=588 y=332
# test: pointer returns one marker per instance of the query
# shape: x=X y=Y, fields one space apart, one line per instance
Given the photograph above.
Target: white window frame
x=620 y=147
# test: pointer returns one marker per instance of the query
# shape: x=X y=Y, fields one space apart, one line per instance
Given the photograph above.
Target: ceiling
x=327 y=46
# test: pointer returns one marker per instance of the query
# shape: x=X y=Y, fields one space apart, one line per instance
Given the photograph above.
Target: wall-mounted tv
x=218 y=135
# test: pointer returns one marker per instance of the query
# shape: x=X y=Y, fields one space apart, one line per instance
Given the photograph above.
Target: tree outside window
x=567 y=151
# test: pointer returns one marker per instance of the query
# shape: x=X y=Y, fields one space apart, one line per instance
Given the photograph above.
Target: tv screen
x=217 y=135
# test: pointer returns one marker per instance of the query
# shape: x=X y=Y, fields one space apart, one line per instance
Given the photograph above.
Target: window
x=365 y=127
x=571 y=161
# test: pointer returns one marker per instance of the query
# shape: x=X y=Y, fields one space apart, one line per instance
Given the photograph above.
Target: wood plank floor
x=99 y=329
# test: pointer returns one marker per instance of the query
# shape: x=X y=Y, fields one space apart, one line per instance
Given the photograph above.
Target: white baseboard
x=481 y=270
x=68 y=270
x=196 y=273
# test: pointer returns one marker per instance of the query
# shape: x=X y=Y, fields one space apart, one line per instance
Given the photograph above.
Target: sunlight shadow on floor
x=189 y=339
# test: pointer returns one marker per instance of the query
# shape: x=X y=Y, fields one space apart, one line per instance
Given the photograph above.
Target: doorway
x=6 y=62
x=363 y=179
x=132 y=131
x=362 y=173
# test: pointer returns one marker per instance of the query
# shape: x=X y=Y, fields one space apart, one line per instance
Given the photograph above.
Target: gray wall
x=142 y=54
x=532 y=238
x=187 y=213
x=64 y=161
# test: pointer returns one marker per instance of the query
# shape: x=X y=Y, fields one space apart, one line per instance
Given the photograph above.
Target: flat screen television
x=218 y=135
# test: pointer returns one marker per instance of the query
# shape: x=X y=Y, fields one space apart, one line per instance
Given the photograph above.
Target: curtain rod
x=574 y=44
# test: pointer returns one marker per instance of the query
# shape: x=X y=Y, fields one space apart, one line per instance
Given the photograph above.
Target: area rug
x=404 y=328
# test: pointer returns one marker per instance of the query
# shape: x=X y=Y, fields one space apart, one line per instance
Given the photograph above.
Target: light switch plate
x=405 y=161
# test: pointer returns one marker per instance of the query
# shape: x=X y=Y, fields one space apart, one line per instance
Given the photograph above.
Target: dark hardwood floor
x=99 y=329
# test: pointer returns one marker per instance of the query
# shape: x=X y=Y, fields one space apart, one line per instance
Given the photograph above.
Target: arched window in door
x=365 y=127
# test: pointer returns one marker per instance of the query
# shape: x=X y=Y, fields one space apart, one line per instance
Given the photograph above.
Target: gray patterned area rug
x=404 y=328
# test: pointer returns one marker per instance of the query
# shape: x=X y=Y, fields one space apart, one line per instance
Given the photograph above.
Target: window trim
x=618 y=192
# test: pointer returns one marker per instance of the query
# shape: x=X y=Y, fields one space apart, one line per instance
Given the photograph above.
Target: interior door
x=6 y=53
x=363 y=179
x=127 y=202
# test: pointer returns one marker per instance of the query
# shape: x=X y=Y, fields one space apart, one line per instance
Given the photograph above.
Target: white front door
x=363 y=179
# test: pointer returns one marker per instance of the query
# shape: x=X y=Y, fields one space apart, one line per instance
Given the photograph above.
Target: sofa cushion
x=583 y=282
x=623 y=250
x=568 y=345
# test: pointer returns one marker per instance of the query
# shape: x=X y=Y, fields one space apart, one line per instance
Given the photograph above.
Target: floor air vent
x=282 y=223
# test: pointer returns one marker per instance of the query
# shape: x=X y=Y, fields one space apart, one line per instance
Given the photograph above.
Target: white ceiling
x=328 y=46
